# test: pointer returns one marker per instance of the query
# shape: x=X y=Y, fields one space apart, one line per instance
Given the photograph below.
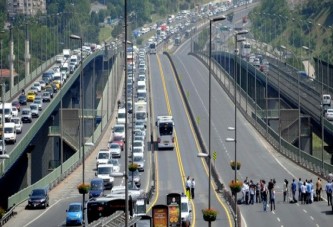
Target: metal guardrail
x=68 y=166
x=24 y=142
x=10 y=213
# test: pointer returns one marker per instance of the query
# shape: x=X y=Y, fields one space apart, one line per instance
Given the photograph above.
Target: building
x=25 y=7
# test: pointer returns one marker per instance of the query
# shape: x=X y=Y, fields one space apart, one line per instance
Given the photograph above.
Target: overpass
x=34 y=159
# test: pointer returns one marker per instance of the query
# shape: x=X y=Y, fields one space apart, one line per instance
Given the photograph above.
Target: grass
x=316 y=149
x=105 y=33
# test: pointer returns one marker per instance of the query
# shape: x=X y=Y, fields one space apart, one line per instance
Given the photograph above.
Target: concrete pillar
x=29 y=169
x=11 y=58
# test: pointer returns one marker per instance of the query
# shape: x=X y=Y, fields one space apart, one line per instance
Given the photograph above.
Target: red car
x=119 y=141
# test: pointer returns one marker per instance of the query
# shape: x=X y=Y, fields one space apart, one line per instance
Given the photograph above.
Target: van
x=7 y=111
x=104 y=171
x=74 y=60
x=9 y=132
x=47 y=76
x=326 y=100
x=121 y=116
x=103 y=156
x=141 y=85
x=64 y=70
x=96 y=188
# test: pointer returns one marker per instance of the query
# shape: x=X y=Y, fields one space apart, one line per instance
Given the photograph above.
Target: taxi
x=31 y=96
x=57 y=84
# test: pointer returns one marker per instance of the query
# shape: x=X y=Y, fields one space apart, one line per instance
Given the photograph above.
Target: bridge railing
x=255 y=117
x=68 y=166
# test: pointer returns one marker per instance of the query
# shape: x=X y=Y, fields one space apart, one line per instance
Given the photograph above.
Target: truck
x=140 y=111
x=66 y=53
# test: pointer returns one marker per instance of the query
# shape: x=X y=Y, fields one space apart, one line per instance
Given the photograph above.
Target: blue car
x=74 y=214
x=97 y=188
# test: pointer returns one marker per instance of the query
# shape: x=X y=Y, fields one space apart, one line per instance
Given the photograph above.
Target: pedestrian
x=192 y=187
x=293 y=190
x=270 y=187
x=22 y=91
x=308 y=191
x=273 y=200
x=118 y=103
x=188 y=187
x=318 y=189
x=264 y=195
x=252 y=192
x=285 y=189
x=329 y=190
x=258 y=200
x=300 y=183
x=303 y=192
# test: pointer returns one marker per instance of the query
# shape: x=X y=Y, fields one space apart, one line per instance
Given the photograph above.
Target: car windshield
x=38 y=192
x=103 y=156
x=117 y=139
x=97 y=185
x=137 y=144
x=114 y=162
x=140 y=116
x=114 y=146
x=15 y=120
x=137 y=158
x=137 y=150
x=104 y=170
x=25 y=112
x=74 y=208
x=46 y=94
x=33 y=107
x=118 y=129
x=9 y=130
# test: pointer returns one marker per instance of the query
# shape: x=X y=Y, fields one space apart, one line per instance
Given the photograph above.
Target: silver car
x=34 y=110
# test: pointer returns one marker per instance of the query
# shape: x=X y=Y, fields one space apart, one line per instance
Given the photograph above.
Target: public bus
x=103 y=207
x=152 y=48
x=245 y=49
x=165 y=132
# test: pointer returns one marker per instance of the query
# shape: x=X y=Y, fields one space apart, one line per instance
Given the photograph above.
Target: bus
x=245 y=49
x=165 y=132
x=152 y=48
x=103 y=207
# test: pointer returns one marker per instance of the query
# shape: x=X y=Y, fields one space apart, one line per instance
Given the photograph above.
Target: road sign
x=214 y=155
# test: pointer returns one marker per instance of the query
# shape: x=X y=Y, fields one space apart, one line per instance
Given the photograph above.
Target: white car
x=115 y=150
x=139 y=143
x=18 y=124
x=329 y=114
x=115 y=163
x=139 y=160
x=38 y=86
x=103 y=156
x=119 y=131
x=186 y=211
x=14 y=111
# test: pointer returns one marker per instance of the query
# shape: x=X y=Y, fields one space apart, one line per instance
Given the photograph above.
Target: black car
x=38 y=198
x=22 y=99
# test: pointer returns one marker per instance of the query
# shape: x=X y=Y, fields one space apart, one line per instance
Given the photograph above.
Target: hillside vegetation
x=309 y=25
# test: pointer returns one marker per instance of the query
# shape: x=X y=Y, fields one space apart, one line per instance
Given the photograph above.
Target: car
x=38 y=198
x=57 y=84
x=139 y=125
x=96 y=188
x=118 y=140
x=139 y=137
x=46 y=96
x=139 y=160
x=14 y=111
x=119 y=191
x=34 y=89
x=115 y=150
x=42 y=84
x=329 y=114
x=129 y=107
x=34 y=110
x=138 y=143
x=74 y=214
x=103 y=156
x=17 y=104
x=185 y=211
x=119 y=131
x=26 y=115
x=138 y=132
x=50 y=90
x=18 y=124
x=31 y=96
x=136 y=176
x=38 y=86
x=39 y=102
x=22 y=99
x=137 y=150
x=55 y=87
x=115 y=163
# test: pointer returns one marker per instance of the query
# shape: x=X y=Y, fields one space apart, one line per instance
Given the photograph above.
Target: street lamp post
x=210 y=106
x=81 y=137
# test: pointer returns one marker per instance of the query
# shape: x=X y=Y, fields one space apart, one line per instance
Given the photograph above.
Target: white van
x=121 y=117
x=141 y=85
x=8 y=111
x=74 y=60
x=9 y=132
x=326 y=100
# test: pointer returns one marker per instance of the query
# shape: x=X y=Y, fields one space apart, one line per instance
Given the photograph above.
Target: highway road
x=175 y=165
x=259 y=160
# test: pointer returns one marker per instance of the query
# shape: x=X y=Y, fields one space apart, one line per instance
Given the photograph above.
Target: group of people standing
x=190 y=186
x=308 y=192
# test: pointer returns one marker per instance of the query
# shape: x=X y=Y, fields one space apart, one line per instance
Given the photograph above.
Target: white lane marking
x=317 y=225
x=305 y=211
x=278 y=219
x=312 y=218
x=42 y=213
